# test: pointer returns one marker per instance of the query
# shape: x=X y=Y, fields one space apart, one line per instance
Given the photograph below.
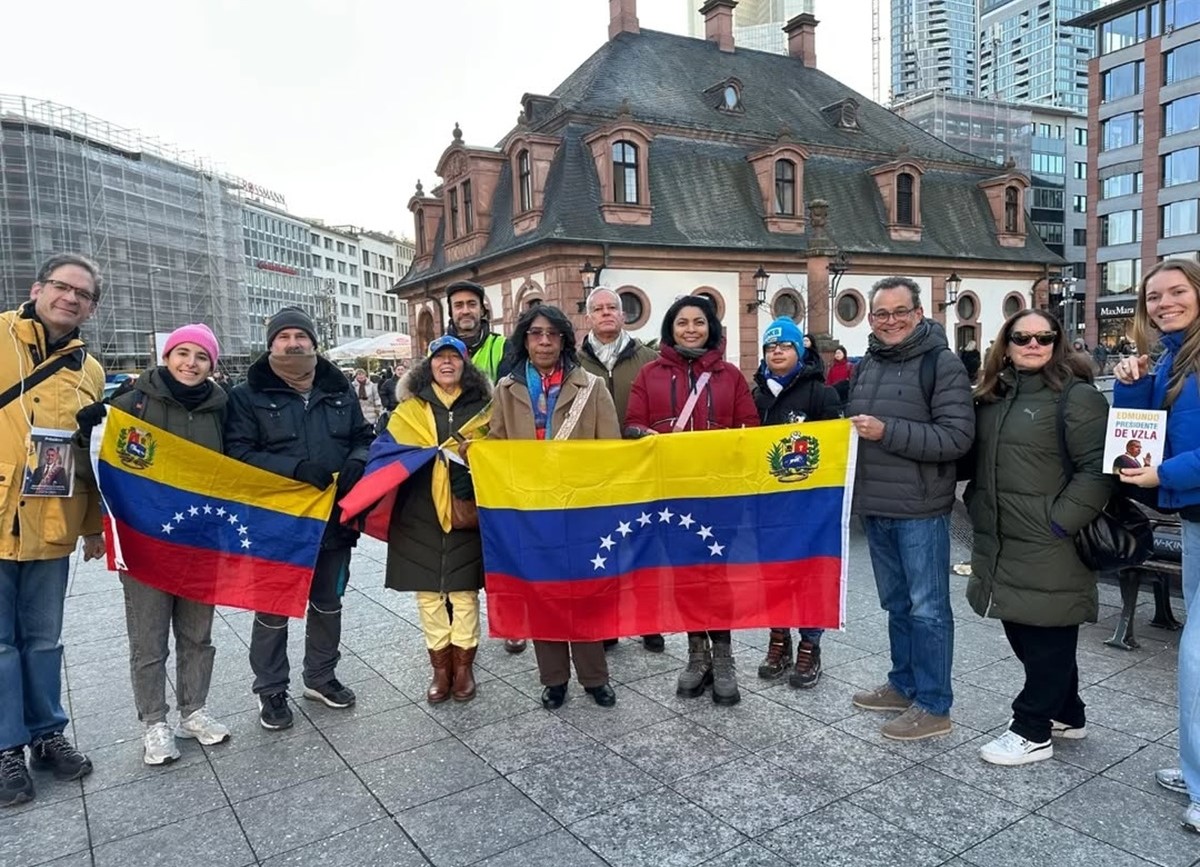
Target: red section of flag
x=204 y=575
x=389 y=466
x=796 y=593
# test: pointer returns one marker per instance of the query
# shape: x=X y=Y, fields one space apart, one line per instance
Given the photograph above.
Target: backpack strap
x=38 y=376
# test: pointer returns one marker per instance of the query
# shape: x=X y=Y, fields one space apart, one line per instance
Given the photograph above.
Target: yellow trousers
x=440 y=630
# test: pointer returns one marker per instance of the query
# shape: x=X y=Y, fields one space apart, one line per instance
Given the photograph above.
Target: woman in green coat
x=1025 y=511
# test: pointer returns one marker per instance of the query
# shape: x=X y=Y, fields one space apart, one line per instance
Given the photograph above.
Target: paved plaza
x=786 y=777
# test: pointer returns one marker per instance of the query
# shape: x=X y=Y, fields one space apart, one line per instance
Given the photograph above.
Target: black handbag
x=1121 y=535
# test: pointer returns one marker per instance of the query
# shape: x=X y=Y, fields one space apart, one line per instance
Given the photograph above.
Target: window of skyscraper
x=1124 y=31
x=1181 y=115
x=1121 y=131
x=1181 y=13
x=1183 y=62
x=1121 y=185
x=1122 y=81
x=1120 y=276
x=1179 y=218
x=1181 y=167
x=1121 y=227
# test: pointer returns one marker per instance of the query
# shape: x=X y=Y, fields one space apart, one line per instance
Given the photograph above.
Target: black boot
x=808 y=666
x=779 y=655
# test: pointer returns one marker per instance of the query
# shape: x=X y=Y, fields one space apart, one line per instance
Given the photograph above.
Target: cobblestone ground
x=786 y=777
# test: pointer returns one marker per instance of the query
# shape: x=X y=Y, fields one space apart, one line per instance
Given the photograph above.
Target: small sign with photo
x=1134 y=439
x=50 y=465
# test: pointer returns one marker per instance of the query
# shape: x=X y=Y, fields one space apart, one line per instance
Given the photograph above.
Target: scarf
x=608 y=353
x=189 y=396
x=691 y=353
x=447 y=395
x=362 y=390
x=297 y=371
x=543 y=395
x=778 y=382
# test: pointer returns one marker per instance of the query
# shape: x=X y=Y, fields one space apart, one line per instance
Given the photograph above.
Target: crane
x=875 y=45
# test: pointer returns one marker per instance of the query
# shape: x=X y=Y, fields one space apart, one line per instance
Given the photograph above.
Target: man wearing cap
x=295 y=415
x=469 y=323
x=613 y=354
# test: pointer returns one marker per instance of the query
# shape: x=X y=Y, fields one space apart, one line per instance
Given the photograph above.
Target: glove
x=312 y=473
x=88 y=417
x=349 y=477
x=461 y=484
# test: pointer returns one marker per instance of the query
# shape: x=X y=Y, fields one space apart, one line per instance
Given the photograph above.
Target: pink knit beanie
x=199 y=334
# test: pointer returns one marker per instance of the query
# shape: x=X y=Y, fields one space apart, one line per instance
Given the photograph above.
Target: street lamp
x=153 y=312
x=837 y=268
x=761 y=277
x=591 y=278
x=1068 y=299
x=953 y=284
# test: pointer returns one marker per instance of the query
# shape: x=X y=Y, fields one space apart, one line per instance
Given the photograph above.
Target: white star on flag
x=704 y=532
x=624 y=529
x=207 y=509
x=167 y=528
x=193 y=511
x=241 y=531
x=598 y=562
x=221 y=511
x=686 y=521
x=245 y=543
x=644 y=519
x=607 y=542
x=232 y=518
x=716 y=549
x=665 y=516
x=179 y=517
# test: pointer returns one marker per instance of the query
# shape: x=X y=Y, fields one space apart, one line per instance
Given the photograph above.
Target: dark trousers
x=716 y=636
x=1051 y=679
x=554 y=662
x=323 y=630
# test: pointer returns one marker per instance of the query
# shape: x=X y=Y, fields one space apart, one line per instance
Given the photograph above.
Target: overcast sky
x=340 y=105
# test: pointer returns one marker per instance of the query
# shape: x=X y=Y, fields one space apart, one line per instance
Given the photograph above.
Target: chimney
x=718 y=22
x=622 y=17
x=802 y=38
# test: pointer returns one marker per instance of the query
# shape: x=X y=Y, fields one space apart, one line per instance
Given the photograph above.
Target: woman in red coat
x=692 y=387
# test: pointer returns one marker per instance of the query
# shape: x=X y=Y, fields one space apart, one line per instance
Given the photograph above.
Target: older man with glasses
x=910 y=401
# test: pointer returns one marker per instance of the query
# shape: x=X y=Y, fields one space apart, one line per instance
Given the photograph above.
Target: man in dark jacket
x=910 y=401
x=616 y=356
x=296 y=416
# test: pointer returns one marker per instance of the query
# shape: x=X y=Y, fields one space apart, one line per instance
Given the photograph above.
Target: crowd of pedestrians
x=1028 y=436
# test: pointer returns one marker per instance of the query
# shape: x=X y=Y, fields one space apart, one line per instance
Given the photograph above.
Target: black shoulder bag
x=1121 y=535
x=39 y=375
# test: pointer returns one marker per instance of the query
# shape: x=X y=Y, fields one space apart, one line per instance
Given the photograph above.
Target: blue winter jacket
x=1179 y=472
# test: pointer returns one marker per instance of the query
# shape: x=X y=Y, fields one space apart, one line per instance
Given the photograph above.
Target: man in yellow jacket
x=46 y=377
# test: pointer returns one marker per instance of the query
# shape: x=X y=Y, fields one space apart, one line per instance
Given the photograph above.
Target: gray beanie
x=290 y=317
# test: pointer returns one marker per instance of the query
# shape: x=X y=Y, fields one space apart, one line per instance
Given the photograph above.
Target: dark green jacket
x=633 y=358
x=150 y=399
x=1021 y=569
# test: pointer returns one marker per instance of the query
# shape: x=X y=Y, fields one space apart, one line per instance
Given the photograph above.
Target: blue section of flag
x=551 y=544
x=165 y=512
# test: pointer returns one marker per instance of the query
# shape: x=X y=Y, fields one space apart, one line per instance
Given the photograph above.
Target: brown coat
x=512 y=412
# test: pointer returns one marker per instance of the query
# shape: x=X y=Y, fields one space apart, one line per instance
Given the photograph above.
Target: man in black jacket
x=296 y=416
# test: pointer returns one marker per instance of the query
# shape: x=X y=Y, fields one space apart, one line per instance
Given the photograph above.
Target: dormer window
x=1012 y=198
x=726 y=96
x=779 y=170
x=524 y=181
x=843 y=114
x=785 y=188
x=625 y=173
x=899 y=185
x=732 y=98
x=1006 y=200
x=905 y=186
x=621 y=155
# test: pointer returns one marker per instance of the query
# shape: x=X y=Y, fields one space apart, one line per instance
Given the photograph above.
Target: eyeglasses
x=888 y=315
x=1022 y=338
x=782 y=346
x=539 y=333
x=82 y=294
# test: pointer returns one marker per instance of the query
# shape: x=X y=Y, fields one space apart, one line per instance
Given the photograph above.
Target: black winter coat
x=420 y=555
x=269 y=425
x=805 y=398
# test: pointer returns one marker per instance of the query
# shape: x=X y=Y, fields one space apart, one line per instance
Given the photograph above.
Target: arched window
x=454 y=213
x=420 y=231
x=1011 y=205
x=524 y=181
x=904 y=199
x=468 y=209
x=625 y=173
x=785 y=188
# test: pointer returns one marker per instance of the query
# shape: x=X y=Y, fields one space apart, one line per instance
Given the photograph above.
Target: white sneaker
x=199 y=725
x=159 y=743
x=1012 y=749
x=1191 y=817
x=1172 y=780
x=1070 y=733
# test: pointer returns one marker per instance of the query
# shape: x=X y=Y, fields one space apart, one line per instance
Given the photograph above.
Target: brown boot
x=464 y=672
x=439 y=687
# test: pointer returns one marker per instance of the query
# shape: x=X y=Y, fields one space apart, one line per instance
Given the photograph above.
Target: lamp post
x=1068 y=299
x=953 y=284
x=153 y=313
x=591 y=278
x=761 y=278
x=837 y=268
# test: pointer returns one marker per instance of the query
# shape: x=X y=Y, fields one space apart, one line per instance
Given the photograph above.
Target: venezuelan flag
x=192 y=522
x=690 y=531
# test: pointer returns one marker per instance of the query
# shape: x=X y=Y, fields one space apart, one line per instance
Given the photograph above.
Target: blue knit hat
x=448 y=341
x=784 y=330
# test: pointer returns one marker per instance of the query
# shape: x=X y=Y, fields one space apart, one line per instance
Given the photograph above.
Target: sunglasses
x=1022 y=338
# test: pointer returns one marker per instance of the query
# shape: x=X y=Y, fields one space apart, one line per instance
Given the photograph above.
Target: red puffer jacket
x=662 y=387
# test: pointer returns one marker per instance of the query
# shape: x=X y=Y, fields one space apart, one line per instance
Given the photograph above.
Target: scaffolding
x=164 y=226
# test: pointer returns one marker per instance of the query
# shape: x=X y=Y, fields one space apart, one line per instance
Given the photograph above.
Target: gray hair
x=59 y=260
x=602 y=290
x=895 y=283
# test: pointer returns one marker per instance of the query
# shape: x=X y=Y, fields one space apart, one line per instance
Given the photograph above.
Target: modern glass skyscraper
x=757 y=24
x=933 y=47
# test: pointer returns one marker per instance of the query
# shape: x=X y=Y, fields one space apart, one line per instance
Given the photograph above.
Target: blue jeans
x=1189 y=663
x=31 y=616
x=911 y=560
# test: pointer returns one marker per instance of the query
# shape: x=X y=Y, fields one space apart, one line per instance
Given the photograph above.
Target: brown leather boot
x=464 y=672
x=439 y=687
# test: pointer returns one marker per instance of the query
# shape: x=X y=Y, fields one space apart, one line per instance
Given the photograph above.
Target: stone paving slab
x=787 y=777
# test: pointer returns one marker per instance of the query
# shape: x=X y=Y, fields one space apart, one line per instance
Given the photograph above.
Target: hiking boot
x=158 y=745
x=654 y=643
x=16 y=786
x=779 y=655
x=916 y=724
x=808 y=666
x=724 y=675
x=1171 y=779
x=331 y=694
x=200 y=726
x=273 y=712
x=698 y=675
x=1071 y=733
x=56 y=753
x=883 y=697
x=1010 y=749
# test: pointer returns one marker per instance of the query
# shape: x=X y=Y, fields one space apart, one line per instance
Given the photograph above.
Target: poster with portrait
x=1134 y=439
x=50 y=465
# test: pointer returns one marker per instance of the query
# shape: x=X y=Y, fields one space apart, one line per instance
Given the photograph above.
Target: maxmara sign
x=1116 y=307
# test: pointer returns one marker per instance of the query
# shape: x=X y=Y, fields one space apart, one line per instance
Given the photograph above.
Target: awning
x=1116 y=307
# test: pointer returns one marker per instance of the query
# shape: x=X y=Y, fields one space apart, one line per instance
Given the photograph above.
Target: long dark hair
x=1062 y=367
x=1187 y=360
x=716 y=331
x=517 y=353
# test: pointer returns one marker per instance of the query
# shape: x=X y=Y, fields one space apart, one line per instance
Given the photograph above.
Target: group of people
x=1029 y=438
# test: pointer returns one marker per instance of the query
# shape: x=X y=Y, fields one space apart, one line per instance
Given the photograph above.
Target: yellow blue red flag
x=684 y=532
x=192 y=522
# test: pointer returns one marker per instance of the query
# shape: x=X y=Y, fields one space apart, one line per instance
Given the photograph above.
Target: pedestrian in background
x=367 y=393
x=839 y=373
x=1025 y=509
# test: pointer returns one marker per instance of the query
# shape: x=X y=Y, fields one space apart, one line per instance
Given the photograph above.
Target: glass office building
x=933 y=47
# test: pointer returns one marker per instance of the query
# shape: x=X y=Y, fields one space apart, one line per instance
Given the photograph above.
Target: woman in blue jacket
x=1168 y=309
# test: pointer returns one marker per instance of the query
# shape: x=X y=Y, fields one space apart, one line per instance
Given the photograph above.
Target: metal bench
x=1163 y=571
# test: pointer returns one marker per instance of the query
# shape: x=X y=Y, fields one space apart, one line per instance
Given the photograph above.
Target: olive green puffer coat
x=1022 y=571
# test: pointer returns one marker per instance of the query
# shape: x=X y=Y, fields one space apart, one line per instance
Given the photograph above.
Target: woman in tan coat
x=549 y=396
